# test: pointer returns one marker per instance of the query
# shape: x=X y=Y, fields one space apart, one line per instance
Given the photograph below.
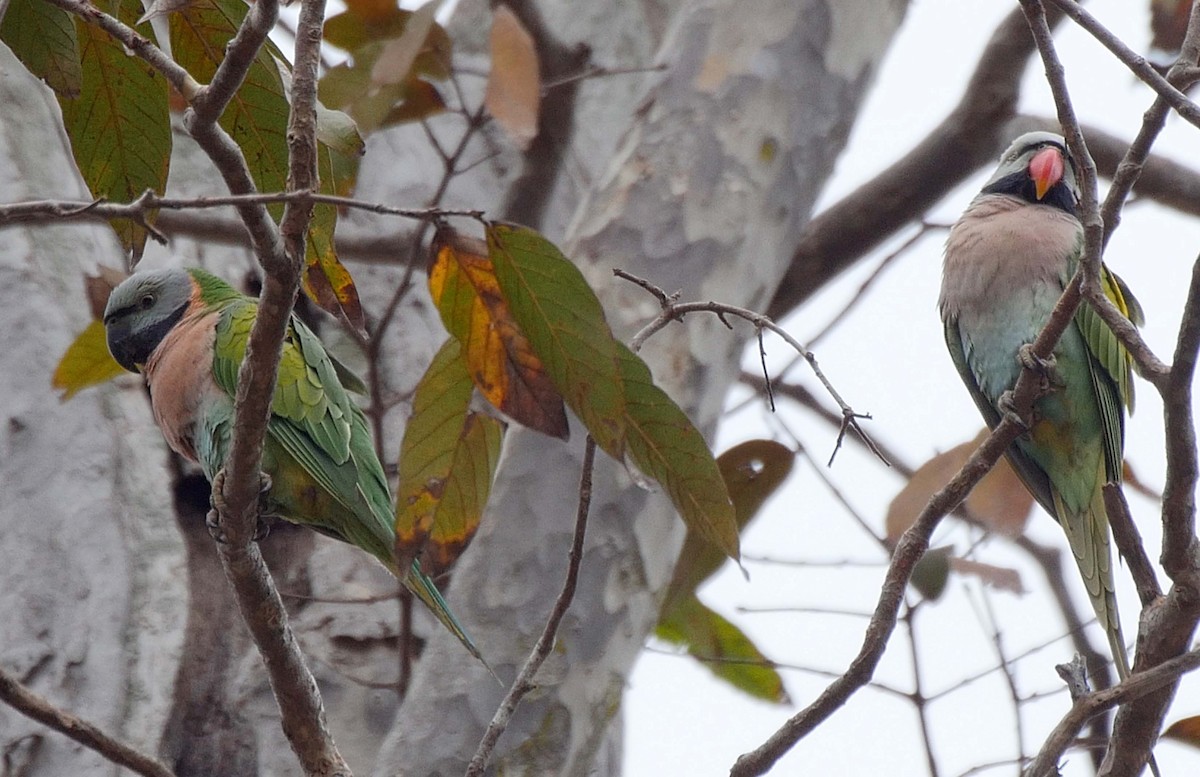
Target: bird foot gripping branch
x=265 y=519
x=1045 y=368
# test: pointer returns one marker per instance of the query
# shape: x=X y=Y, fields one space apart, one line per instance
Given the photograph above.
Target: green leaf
x=932 y=572
x=120 y=125
x=447 y=461
x=752 y=472
x=723 y=649
x=560 y=314
x=257 y=116
x=338 y=132
x=256 y=119
x=663 y=443
x=43 y=38
x=86 y=363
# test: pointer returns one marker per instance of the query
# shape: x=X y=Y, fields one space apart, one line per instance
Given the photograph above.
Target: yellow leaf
x=86 y=363
x=327 y=282
x=447 y=460
x=1000 y=500
x=503 y=366
x=514 y=87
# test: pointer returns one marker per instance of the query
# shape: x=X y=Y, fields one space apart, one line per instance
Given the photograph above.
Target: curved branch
x=971 y=136
x=31 y=705
x=1092 y=704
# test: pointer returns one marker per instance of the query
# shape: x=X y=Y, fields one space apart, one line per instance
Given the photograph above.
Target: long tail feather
x=424 y=589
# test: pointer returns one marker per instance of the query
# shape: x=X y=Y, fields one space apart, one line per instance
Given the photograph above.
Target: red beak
x=1046 y=169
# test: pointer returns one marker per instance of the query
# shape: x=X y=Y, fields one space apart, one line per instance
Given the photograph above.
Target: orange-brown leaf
x=373 y=11
x=1168 y=25
x=514 y=87
x=499 y=358
x=328 y=283
x=1001 y=578
x=1185 y=730
x=1000 y=500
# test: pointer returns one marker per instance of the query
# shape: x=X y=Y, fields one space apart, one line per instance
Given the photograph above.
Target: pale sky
x=888 y=359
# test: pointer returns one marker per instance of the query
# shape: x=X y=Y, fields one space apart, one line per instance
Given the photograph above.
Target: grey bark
x=706 y=193
x=91 y=602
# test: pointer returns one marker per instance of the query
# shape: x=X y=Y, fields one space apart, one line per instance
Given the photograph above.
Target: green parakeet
x=186 y=331
x=1008 y=259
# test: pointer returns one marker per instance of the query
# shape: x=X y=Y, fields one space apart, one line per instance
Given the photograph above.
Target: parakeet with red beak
x=1008 y=259
x=186 y=331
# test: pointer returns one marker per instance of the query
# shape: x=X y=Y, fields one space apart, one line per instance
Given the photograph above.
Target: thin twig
x=149 y=202
x=524 y=682
x=33 y=706
x=1092 y=704
x=1136 y=63
x=674 y=311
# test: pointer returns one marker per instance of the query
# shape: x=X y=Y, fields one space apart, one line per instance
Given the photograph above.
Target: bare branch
x=972 y=135
x=31 y=705
x=909 y=550
x=674 y=311
x=1131 y=59
x=141 y=47
x=149 y=202
x=1091 y=704
x=541 y=649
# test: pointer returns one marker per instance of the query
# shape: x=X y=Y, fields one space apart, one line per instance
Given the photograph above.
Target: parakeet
x=1007 y=261
x=186 y=331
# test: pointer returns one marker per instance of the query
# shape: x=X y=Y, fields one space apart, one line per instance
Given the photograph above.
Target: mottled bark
x=707 y=192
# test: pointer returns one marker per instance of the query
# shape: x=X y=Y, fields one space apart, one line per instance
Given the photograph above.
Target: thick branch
x=541 y=649
x=1092 y=704
x=964 y=141
x=30 y=704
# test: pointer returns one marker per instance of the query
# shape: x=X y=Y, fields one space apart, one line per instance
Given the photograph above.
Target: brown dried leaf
x=1185 y=730
x=514 y=88
x=395 y=62
x=1000 y=500
x=1001 y=578
x=99 y=286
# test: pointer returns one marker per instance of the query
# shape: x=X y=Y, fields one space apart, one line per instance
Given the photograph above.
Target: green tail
x=423 y=588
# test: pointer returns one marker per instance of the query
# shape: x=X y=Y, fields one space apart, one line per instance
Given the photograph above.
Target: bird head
x=141 y=311
x=1037 y=169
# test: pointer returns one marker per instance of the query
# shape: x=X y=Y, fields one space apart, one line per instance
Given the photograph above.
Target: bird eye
x=147 y=302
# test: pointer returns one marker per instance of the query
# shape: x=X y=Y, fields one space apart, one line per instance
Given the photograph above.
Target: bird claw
x=217 y=499
x=1045 y=368
x=1008 y=409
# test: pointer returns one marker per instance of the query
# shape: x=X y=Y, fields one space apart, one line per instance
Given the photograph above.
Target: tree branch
x=31 y=705
x=969 y=137
x=541 y=649
x=1089 y=705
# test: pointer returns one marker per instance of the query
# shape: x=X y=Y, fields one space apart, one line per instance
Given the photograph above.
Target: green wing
x=313 y=418
x=1033 y=476
x=1111 y=367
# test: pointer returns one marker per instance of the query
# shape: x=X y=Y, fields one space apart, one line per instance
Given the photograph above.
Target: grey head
x=1038 y=169
x=142 y=310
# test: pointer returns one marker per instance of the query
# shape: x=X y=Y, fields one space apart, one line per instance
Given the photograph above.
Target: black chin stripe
x=140 y=345
x=1019 y=184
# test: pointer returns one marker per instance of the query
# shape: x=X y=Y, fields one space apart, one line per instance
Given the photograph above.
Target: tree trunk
x=707 y=192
